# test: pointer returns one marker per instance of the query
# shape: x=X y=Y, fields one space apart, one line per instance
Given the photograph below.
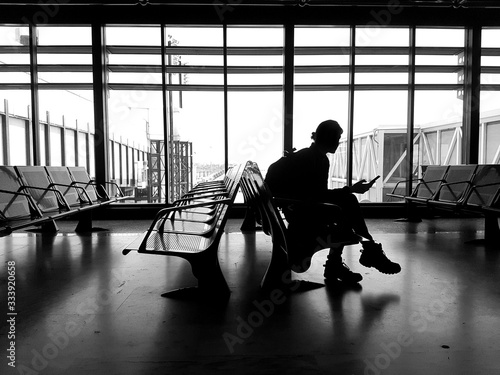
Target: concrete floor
x=84 y=308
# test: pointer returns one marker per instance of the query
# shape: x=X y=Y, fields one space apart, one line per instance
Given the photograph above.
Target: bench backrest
x=260 y=199
x=485 y=184
x=60 y=176
x=458 y=179
x=82 y=179
x=431 y=180
x=37 y=181
x=12 y=206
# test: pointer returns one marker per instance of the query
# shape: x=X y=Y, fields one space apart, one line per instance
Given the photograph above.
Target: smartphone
x=375 y=179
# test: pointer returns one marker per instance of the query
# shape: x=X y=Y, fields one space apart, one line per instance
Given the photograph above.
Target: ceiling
x=246 y=3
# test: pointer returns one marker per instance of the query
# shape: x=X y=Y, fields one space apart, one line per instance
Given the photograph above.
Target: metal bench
x=197 y=241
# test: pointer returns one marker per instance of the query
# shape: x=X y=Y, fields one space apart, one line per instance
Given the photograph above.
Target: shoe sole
x=386 y=273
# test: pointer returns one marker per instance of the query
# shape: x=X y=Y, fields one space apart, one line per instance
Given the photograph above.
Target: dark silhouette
x=299 y=181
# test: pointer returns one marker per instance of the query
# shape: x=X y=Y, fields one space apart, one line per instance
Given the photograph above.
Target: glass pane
x=135 y=119
x=69 y=107
x=255 y=135
x=306 y=36
x=379 y=140
x=134 y=55
x=489 y=139
x=55 y=145
x=17 y=138
x=442 y=48
x=133 y=35
x=252 y=60
x=380 y=114
x=70 y=147
x=437 y=37
x=493 y=143
x=64 y=35
x=382 y=36
x=321 y=56
x=195 y=106
x=200 y=121
x=438 y=119
x=14 y=102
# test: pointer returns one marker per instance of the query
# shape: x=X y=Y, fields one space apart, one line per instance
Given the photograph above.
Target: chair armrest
x=15 y=193
x=95 y=184
x=74 y=186
x=425 y=182
x=397 y=184
x=55 y=191
x=447 y=184
x=118 y=189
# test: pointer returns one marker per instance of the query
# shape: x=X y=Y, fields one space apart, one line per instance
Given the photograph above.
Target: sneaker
x=372 y=255
x=337 y=269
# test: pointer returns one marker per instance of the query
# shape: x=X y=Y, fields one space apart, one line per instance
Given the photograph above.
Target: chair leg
x=491 y=228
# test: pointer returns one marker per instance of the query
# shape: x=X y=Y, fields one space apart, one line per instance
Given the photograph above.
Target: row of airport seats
x=191 y=228
x=460 y=189
x=37 y=196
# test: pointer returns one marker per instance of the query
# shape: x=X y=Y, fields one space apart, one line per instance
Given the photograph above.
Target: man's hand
x=362 y=186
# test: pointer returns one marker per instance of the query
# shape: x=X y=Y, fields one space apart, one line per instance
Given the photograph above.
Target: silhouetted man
x=303 y=176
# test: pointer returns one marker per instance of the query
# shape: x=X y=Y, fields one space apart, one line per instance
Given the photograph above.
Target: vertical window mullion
x=226 y=112
x=165 y=116
x=350 y=116
x=35 y=123
x=411 y=111
x=472 y=92
x=288 y=89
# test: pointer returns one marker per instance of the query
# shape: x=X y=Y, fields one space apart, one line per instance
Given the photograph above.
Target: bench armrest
x=286 y=201
x=201 y=196
x=163 y=215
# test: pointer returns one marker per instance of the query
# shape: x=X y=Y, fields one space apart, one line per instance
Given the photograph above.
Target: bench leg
x=211 y=282
x=491 y=229
x=250 y=221
x=85 y=223
x=491 y=232
x=278 y=274
x=49 y=227
x=411 y=214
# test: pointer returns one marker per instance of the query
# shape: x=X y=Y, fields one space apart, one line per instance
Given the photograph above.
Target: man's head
x=327 y=135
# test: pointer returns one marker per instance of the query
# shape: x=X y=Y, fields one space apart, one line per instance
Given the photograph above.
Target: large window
x=185 y=101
